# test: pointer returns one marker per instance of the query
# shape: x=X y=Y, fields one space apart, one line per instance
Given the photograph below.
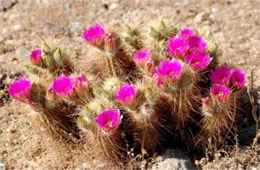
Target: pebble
x=113 y=6
x=75 y=26
x=173 y=159
x=6 y=4
x=2 y=166
x=67 y=7
x=200 y=17
x=17 y=27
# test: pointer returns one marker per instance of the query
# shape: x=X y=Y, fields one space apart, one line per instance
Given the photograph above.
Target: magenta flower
x=177 y=47
x=219 y=93
x=238 y=78
x=20 y=89
x=126 y=94
x=159 y=82
x=221 y=75
x=63 y=86
x=35 y=56
x=198 y=60
x=169 y=71
x=81 y=85
x=197 y=44
x=186 y=33
x=142 y=57
x=95 y=35
x=109 y=119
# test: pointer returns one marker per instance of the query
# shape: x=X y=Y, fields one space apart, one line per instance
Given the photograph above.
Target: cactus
x=158 y=84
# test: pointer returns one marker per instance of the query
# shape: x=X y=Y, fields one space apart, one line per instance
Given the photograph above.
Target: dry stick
x=254 y=110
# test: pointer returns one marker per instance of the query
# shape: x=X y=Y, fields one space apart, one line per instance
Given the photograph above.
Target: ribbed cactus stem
x=112 y=66
x=109 y=62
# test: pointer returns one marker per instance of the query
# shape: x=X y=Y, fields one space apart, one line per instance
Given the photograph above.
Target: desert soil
x=24 y=144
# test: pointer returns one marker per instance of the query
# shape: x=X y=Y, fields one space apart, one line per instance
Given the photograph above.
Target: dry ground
x=235 y=25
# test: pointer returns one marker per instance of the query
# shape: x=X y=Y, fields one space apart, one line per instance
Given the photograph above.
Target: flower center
x=196 y=62
x=220 y=93
x=109 y=123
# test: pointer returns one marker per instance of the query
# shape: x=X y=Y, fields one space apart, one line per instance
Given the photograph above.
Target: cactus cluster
x=158 y=84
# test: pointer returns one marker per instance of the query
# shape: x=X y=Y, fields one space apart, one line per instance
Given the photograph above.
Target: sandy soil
x=24 y=144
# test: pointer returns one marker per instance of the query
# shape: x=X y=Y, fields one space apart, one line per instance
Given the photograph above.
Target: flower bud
x=36 y=57
x=57 y=56
x=45 y=47
x=82 y=86
x=110 y=42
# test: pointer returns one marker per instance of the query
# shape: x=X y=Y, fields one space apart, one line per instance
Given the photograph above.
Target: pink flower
x=63 y=86
x=186 y=33
x=221 y=75
x=177 y=47
x=20 y=89
x=197 y=44
x=219 y=93
x=109 y=119
x=159 y=82
x=238 y=78
x=81 y=85
x=126 y=94
x=169 y=71
x=95 y=35
x=142 y=57
x=35 y=56
x=198 y=60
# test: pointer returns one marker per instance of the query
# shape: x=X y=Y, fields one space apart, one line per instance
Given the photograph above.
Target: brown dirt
x=23 y=143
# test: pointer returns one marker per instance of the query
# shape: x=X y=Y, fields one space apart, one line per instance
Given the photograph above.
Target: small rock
x=4 y=30
x=7 y=4
x=17 y=27
x=173 y=159
x=2 y=166
x=85 y=166
x=200 y=17
x=74 y=26
x=214 y=10
x=67 y=7
x=113 y=6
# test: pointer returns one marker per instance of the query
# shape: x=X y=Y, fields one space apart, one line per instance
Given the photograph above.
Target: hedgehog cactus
x=157 y=84
x=220 y=107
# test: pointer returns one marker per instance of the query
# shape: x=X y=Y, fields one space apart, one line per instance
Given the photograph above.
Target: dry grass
x=232 y=158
